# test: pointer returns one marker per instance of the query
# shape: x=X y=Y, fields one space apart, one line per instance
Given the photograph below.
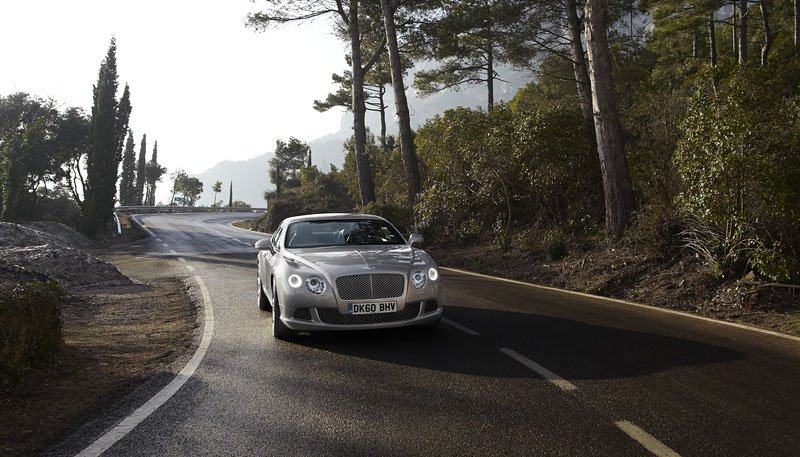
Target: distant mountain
x=250 y=176
x=249 y=179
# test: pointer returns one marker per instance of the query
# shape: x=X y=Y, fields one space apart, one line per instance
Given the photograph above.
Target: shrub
x=656 y=230
x=400 y=216
x=503 y=169
x=554 y=245
x=739 y=160
x=30 y=326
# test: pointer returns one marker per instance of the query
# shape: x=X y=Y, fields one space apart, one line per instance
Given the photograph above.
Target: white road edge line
x=647 y=440
x=458 y=326
x=129 y=423
x=557 y=380
x=623 y=302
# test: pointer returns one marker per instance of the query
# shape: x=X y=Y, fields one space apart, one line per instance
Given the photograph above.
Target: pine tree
x=141 y=174
x=108 y=127
x=127 y=186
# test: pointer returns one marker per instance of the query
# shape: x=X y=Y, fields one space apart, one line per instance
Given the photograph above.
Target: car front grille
x=333 y=316
x=370 y=286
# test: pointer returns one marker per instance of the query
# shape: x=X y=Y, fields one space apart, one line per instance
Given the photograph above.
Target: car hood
x=362 y=259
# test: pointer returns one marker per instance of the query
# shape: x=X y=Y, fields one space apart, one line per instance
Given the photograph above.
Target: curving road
x=514 y=370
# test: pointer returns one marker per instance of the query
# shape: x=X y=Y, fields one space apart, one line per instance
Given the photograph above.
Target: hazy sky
x=203 y=85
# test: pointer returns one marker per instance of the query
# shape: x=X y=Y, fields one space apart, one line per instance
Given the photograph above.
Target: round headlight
x=315 y=285
x=418 y=279
x=433 y=274
x=295 y=281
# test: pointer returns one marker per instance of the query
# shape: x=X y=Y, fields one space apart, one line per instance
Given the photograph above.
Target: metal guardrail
x=185 y=209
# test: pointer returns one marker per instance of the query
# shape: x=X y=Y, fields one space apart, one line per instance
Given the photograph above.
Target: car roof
x=331 y=216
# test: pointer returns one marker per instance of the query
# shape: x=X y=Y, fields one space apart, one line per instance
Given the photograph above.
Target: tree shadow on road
x=574 y=350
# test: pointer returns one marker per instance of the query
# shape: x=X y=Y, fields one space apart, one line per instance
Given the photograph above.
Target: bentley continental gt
x=345 y=272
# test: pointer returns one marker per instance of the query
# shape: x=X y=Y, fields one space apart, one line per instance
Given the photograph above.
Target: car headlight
x=295 y=281
x=315 y=285
x=433 y=274
x=418 y=279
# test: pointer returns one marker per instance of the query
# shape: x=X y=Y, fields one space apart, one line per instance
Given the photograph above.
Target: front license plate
x=372 y=308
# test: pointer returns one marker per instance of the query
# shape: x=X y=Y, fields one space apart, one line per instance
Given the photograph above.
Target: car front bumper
x=330 y=319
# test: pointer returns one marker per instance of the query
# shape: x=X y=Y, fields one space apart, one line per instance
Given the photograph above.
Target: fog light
x=295 y=281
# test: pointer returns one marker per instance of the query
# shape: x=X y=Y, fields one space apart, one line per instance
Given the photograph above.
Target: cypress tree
x=230 y=196
x=107 y=133
x=141 y=173
x=127 y=186
x=153 y=172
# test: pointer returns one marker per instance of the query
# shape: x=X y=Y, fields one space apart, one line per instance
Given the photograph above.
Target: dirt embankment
x=682 y=283
x=125 y=319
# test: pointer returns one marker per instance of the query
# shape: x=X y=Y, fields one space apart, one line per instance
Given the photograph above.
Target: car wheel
x=279 y=329
x=263 y=301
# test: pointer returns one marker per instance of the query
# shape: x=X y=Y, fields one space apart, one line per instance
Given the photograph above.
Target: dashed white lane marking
x=189 y=267
x=129 y=423
x=557 y=380
x=647 y=440
x=159 y=240
x=458 y=326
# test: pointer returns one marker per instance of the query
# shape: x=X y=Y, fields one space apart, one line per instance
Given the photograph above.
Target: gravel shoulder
x=116 y=336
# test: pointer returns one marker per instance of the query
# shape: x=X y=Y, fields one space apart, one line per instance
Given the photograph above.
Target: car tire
x=279 y=329
x=263 y=301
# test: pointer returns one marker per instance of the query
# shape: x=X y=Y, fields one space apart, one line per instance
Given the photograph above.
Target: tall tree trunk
x=735 y=31
x=743 y=11
x=407 y=147
x=381 y=93
x=797 y=23
x=695 y=45
x=712 y=40
x=490 y=76
x=581 y=73
x=365 y=183
x=619 y=199
x=767 y=32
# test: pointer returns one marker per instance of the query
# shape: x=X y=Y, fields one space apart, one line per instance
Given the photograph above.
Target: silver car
x=345 y=272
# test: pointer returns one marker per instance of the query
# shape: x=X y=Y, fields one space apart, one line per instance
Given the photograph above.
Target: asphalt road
x=514 y=370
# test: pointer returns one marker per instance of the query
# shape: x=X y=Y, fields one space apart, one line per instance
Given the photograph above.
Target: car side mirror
x=415 y=239
x=265 y=245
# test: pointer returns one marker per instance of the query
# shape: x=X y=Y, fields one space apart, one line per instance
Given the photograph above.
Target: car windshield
x=315 y=234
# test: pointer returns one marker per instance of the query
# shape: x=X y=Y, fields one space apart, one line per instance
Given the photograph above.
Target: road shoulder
x=117 y=339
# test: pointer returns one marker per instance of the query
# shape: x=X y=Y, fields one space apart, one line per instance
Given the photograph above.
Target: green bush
x=554 y=245
x=506 y=168
x=739 y=160
x=30 y=326
x=400 y=216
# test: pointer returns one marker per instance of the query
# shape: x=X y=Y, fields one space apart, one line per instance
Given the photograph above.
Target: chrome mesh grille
x=333 y=316
x=370 y=286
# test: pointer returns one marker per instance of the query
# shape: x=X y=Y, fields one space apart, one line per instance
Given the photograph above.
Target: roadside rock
x=62 y=234
x=13 y=235
x=51 y=251
x=68 y=266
